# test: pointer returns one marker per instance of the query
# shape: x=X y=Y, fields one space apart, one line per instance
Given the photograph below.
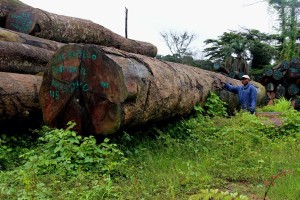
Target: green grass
x=197 y=158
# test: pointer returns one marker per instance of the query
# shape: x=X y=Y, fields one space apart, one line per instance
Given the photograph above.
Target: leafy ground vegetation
x=207 y=156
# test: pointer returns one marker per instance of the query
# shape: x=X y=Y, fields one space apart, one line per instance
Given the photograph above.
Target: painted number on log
x=68 y=69
x=70 y=87
x=75 y=54
x=104 y=84
x=21 y=22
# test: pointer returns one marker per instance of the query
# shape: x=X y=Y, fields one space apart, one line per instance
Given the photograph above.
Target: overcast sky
x=208 y=19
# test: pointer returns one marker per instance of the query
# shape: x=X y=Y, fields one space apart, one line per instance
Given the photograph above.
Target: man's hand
x=223 y=83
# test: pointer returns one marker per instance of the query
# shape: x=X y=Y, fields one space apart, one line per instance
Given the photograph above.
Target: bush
x=65 y=153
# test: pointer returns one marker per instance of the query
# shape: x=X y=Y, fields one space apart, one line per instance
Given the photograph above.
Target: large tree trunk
x=66 y=29
x=23 y=58
x=105 y=89
x=19 y=96
x=12 y=36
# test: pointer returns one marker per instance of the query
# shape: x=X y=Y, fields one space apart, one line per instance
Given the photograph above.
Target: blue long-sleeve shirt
x=246 y=95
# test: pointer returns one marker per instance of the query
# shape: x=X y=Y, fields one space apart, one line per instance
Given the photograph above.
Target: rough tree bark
x=105 y=89
x=12 y=36
x=19 y=96
x=23 y=58
x=40 y=23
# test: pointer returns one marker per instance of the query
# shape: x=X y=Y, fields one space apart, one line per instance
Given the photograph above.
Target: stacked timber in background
x=283 y=80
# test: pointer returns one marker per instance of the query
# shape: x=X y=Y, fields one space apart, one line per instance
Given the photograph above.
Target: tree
x=179 y=43
x=245 y=45
x=288 y=12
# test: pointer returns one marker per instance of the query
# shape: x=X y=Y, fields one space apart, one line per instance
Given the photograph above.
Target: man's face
x=245 y=81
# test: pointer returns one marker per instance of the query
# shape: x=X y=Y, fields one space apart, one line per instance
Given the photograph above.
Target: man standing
x=246 y=94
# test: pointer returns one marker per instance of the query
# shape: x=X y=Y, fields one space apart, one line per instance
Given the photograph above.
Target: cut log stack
x=26 y=19
x=283 y=80
x=104 y=86
x=29 y=38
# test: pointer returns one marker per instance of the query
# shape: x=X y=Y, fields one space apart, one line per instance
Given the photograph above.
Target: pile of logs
x=283 y=80
x=29 y=38
x=110 y=84
x=20 y=17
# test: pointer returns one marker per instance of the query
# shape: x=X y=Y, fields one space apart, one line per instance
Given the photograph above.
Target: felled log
x=296 y=102
x=40 y=23
x=270 y=87
x=12 y=36
x=23 y=58
x=293 y=89
x=280 y=91
x=105 y=89
x=19 y=96
x=293 y=72
x=277 y=75
x=268 y=72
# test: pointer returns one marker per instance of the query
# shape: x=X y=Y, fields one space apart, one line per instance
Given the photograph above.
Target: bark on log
x=40 y=23
x=105 y=89
x=22 y=58
x=12 y=36
x=19 y=96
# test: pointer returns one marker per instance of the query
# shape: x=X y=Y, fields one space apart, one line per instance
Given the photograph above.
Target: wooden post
x=126 y=20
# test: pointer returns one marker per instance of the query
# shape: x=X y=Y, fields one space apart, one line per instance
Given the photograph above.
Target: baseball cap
x=245 y=77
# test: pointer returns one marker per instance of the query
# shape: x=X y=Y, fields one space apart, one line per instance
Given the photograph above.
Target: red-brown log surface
x=12 y=36
x=23 y=58
x=19 y=95
x=104 y=89
x=65 y=29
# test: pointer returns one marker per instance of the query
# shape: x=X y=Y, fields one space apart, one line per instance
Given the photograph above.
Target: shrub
x=63 y=152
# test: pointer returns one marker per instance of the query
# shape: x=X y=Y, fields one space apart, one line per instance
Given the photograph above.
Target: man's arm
x=231 y=88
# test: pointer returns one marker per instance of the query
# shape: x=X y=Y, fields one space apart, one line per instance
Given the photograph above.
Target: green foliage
x=215 y=194
x=214 y=106
x=261 y=54
x=188 y=60
x=288 y=15
x=10 y=149
x=280 y=105
x=65 y=153
x=238 y=44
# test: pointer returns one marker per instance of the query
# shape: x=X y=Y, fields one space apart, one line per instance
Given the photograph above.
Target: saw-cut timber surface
x=19 y=96
x=23 y=58
x=283 y=80
x=26 y=19
x=105 y=89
